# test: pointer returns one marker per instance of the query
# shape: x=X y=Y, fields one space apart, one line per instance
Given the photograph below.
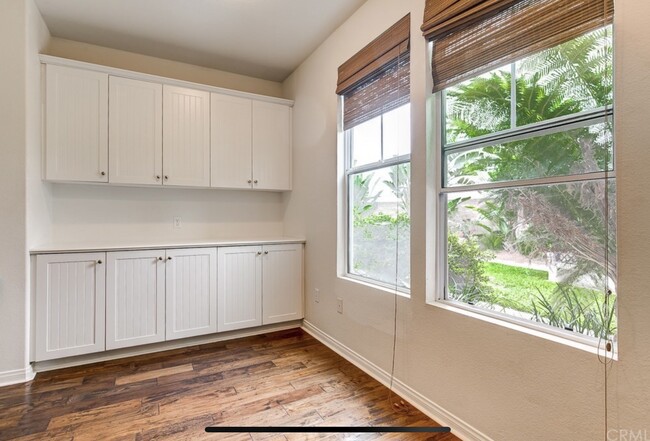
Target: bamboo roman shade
x=377 y=78
x=471 y=37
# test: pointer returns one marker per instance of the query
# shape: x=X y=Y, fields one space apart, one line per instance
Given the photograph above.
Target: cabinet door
x=240 y=288
x=186 y=137
x=76 y=129
x=231 y=141
x=271 y=146
x=69 y=304
x=135 y=132
x=282 y=283
x=135 y=298
x=191 y=291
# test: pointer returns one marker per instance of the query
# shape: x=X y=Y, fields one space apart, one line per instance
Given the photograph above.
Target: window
x=378 y=189
x=528 y=189
x=375 y=91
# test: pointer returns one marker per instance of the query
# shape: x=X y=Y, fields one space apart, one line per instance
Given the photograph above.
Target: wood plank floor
x=281 y=379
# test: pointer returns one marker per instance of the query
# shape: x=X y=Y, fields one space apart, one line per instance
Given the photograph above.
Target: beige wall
x=503 y=383
x=157 y=66
x=22 y=35
x=13 y=241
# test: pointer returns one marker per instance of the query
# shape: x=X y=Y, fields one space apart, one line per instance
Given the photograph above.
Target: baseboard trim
x=17 y=376
x=49 y=365
x=459 y=427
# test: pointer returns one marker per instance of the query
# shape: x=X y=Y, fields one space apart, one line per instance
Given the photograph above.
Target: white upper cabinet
x=271 y=146
x=135 y=132
x=76 y=127
x=231 y=141
x=127 y=128
x=186 y=137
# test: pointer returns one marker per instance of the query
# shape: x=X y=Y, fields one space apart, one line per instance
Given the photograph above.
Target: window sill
x=403 y=292
x=582 y=343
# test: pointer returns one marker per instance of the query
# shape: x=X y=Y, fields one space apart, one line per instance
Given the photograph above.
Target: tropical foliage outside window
x=378 y=187
x=529 y=189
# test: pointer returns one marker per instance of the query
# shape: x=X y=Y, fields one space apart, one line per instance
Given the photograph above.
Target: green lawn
x=516 y=287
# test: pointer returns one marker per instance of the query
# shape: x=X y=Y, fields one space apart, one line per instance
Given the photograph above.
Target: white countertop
x=84 y=247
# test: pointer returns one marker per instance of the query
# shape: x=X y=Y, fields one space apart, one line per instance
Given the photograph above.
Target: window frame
x=437 y=293
x=348 y=172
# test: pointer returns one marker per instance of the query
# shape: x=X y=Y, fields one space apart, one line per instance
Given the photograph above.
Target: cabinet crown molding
x=58 y=61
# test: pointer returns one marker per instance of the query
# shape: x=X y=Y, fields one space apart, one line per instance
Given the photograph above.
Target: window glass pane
x=578 y=151
x=366 y=142
x=397 y=132
x=542 y=253
x=573 y=77
x=479 y=106
x=379 y=230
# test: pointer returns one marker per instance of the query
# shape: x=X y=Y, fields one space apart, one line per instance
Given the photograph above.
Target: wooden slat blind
x=377 y=78
x=471 y=37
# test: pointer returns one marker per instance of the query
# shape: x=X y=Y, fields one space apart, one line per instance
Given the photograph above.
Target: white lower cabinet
x=135 y=298
x=191 y=292
x=69 y=304
x=91 y=302
x=282 y=283
x=259 y=285
x=240 y=287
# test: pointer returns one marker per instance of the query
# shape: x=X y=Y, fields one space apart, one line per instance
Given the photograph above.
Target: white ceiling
x=262 y=38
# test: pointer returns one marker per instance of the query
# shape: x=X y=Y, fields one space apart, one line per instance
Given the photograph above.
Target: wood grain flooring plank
x=156 y=373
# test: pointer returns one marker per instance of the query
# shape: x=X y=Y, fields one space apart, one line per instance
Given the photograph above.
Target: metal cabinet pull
x=266 y=252
x=99 y=262
x=103 y=173
x=169 y=258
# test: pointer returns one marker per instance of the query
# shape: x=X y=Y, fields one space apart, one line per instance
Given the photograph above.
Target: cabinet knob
x=259 y=253
x=249 y=181
x=103 y=173
x=160 y=258
x=266 y=252
x=255 y=181
x=99 y=262
x=169 y=258
x=166 y=177
x=157 y=177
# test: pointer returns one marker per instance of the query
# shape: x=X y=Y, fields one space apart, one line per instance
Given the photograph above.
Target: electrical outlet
x=339 y=305
x=316 y=295
x=177 y=222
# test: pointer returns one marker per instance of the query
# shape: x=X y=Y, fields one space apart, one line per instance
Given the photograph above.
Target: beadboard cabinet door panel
x=282 y=282
x=239 y=287
x=70 y=291
x=186 y=137
x=76 y=126
x=135 y=298
x=271 y=146
x=191 y=292
x=231 y=141
x=135 y=132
